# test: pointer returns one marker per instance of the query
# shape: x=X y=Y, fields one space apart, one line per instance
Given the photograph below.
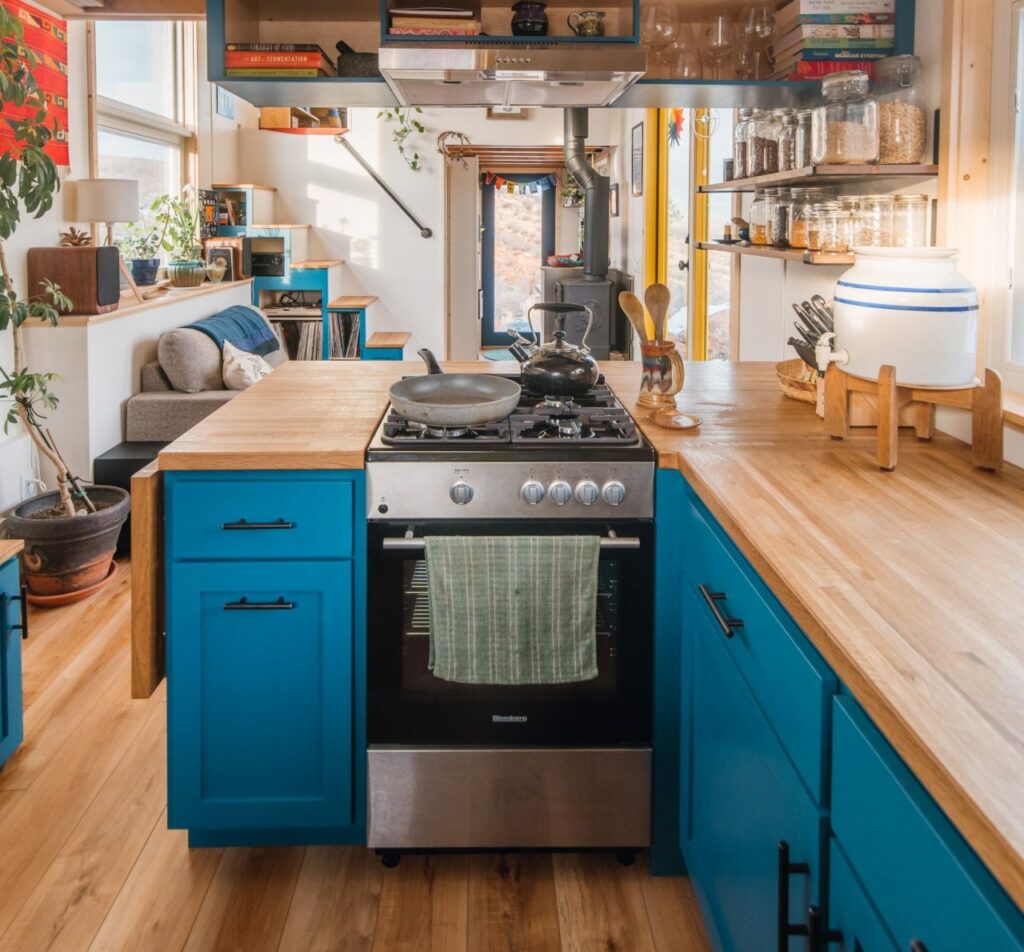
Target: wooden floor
x=87 y=861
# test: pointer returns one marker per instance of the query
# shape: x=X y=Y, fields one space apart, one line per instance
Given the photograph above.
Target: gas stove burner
x=398 y=430
x=569 y=427
x=448 y=433
x=559 y=404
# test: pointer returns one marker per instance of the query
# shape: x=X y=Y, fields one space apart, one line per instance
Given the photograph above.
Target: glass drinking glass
x=719 y=40
x=659 y=25
x=757 y=26
x=680 y=60
x=744 y=62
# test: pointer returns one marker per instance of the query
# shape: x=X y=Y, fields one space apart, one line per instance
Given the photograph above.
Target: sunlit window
x=136 y=65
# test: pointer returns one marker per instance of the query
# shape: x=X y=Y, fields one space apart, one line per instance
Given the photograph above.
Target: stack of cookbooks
x=287 y=60
x=433 y=21
x=818 y=37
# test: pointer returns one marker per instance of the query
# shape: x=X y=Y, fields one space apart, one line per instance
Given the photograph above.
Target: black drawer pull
x=244 y=605
x=784 y=927
x=917 y=945
x=22 y=600
x=243 y=524
x=728 y=625
x=819 y=936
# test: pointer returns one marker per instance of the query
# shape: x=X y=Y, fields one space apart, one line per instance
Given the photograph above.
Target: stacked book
x=818 y=37
x=433 y=21
x=287 y=60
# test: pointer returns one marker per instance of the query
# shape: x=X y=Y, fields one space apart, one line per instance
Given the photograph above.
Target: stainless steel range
x=455 y=765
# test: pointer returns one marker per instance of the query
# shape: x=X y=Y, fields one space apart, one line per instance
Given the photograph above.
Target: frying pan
x=453 y=400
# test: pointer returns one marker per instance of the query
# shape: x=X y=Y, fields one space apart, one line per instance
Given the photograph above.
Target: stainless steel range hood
x=557 y=75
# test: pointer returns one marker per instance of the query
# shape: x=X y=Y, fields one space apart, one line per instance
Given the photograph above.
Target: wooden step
x=351 y=302
x=390 y=339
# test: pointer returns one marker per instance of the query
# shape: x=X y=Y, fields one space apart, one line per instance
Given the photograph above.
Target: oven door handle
x=610 y=541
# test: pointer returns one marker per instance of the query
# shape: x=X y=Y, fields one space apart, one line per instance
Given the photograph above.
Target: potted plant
x=140 y=245
x=572 y=195
x=179 y=221
x=69 y=534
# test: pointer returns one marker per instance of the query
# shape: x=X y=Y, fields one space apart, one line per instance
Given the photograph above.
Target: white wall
x=318 y=182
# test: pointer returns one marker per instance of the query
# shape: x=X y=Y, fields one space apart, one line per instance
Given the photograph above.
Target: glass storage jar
x=762 y=147
x=778 y=218
x=910 y=221
x=803 y=138
x=759 y=218
x=814 y=219
x=834 y=232
x=805 y=200
x=739 y=144
x=787 y=141
x=902 y=119
x=875 y=222
x=844 y=129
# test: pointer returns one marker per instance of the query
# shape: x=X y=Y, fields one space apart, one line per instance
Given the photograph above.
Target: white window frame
x=1006 y=204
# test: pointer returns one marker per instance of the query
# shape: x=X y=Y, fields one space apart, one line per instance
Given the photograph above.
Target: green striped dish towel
x=513 y=609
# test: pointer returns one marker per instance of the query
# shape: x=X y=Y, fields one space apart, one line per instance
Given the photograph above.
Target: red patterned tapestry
x=46 y=35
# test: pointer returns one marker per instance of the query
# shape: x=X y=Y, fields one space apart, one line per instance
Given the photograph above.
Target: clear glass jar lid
x=895 y=71
x=911 y=199
x=851 y=83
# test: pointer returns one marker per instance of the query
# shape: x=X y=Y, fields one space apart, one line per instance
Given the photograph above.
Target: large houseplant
x=69 y=534
x=179 y=237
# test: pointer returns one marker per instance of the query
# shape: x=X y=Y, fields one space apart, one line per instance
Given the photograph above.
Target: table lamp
x=109 y=201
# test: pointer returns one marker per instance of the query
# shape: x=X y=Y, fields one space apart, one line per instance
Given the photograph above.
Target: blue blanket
x=240 y=325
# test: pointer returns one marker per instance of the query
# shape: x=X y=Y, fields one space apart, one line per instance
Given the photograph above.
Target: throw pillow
x=242 y=369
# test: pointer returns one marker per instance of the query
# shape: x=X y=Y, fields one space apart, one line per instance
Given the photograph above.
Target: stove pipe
x=596 y=189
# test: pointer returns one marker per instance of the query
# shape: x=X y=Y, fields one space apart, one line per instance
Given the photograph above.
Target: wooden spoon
x=657 y=298
x=634 y=309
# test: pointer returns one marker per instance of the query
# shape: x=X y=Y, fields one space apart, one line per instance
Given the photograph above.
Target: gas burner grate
x=398 y=430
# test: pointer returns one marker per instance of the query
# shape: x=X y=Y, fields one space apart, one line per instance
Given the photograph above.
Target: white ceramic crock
x=911 y=308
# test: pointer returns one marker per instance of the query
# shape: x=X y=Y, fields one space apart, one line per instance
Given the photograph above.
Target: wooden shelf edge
x=816 y=258
x=823 y=174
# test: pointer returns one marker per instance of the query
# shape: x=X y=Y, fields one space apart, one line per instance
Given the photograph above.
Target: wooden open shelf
x=824 y=175
x=785 y=254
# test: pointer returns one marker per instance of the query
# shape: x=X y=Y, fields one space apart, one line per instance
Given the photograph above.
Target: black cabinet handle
x=785 y=928
x=244 y=605
x=243 y=524
x=916 y=945
x=819 y=936
x=728 y=625
x=22 y=600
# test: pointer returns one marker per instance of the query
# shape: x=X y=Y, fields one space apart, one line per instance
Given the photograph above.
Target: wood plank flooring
x=87 y=861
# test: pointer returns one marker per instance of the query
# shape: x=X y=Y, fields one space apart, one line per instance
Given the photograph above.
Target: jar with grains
x=910 y=221
x=844 y=129
x=805 y=201
x=875 y=222
x=762 y=148
x=739 y=144
x=834 y=232
x=803 y=138
x=758 y=218
x=778 y=218
x=902 y=119
x=814 y=220
x=787 y=141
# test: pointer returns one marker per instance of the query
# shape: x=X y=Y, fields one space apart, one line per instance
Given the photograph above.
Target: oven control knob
x=614 y=492
x=560 y=492
x=461 y=492
x=532 y=492
x=587 y=492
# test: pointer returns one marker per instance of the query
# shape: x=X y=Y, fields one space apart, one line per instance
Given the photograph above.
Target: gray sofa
x=181 y=387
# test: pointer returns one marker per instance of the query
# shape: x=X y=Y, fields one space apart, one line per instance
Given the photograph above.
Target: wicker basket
x=798 y=381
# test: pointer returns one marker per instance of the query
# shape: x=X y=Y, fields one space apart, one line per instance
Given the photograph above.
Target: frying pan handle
x=433 y=367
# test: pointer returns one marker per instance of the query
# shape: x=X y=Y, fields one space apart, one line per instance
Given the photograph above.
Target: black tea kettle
x=556 y=368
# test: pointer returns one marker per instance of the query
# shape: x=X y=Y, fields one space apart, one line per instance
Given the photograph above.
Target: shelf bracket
x=425 y=232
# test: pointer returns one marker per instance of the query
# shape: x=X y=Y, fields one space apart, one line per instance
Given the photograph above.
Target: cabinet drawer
x=922 y=876
x=852 y=916
x=11 y=725
x=786 y=675
x=292 y=516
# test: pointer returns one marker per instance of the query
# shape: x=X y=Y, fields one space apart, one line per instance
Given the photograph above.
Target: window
x=144 y=81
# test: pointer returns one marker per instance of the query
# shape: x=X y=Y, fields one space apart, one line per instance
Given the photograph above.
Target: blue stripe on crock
x=847 y=284
x=878 y=287
x=904 y=307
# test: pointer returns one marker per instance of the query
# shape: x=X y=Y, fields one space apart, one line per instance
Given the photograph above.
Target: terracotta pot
x=186 y=274
x=69 y=554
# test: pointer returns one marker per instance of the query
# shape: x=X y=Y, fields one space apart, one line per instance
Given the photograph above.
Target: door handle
x=785 y=928
x=244 y=605
x=22 y=600
x=725 y=623
x=245 y=524
x=683 y=264
x=819 y=936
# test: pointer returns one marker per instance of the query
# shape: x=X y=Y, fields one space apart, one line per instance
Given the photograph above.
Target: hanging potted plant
x=140 y=246
x=69 y=534
x=178 y=219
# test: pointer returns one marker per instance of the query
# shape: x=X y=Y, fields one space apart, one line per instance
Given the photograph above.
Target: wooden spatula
x=634 y=309
x=657 y=297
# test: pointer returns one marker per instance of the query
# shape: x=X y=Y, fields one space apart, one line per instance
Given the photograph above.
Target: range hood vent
x=555 y=75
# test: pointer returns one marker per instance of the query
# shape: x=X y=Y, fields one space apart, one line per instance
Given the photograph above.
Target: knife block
x=851 y=401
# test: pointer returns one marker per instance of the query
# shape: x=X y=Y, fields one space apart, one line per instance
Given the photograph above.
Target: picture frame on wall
x=637 y=159
x=222 y=254
x=613 y=200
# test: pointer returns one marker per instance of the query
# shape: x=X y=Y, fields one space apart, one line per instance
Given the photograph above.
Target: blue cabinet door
x=10 y=660
x=746 y=807
x=855 y=924
x=260 y=695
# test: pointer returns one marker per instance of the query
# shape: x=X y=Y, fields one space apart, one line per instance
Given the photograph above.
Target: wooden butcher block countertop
x=9 y=548
x=909 y=583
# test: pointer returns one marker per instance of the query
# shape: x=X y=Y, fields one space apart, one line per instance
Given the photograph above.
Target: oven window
x=416 y=678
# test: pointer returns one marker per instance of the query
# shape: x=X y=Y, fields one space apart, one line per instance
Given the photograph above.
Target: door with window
x=517 y=236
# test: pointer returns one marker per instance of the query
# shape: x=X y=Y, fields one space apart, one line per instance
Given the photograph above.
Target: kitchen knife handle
x=244 y=605
x=243 y=524
x=728 y=625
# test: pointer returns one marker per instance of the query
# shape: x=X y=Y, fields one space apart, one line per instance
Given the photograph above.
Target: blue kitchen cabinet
x=266 y=656
x=11 y=606
x=855 y=923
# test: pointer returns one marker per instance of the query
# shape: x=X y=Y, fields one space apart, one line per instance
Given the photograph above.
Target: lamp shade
x=106 y=200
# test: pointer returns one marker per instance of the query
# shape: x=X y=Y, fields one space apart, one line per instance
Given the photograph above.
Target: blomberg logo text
x=509 y=718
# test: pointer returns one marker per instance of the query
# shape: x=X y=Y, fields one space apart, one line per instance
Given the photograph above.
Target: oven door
x=408 y=705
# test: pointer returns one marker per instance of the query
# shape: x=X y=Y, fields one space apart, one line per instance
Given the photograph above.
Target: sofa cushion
x=153 y=378
x=242 y=369
x=165 y=416
x=191 y=360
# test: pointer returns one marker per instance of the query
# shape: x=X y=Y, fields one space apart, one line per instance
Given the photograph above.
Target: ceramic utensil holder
x=662 y=374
